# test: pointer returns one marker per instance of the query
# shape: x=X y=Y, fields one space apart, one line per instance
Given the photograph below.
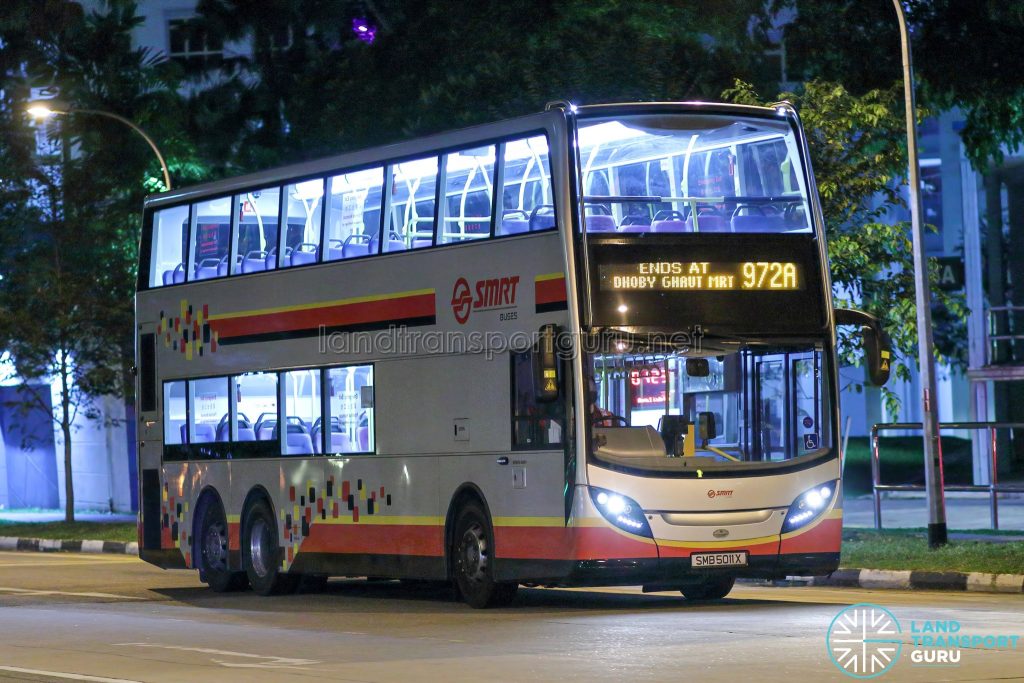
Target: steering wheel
x=610 y=418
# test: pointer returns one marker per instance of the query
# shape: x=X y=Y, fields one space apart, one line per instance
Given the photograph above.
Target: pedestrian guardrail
x=993 y=488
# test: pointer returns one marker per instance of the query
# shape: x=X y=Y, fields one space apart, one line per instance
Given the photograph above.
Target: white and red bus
x=590 y=346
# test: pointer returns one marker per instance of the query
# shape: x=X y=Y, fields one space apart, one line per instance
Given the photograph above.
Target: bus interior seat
x=635 y=224
x=174 y=276
x=298 y=443
x=669 y=221
x=514 y=222
x=207 y=268
x=708 y=222
x=543 y=217
x=304 y=253
x=756 y=219
x=421 y=242
x=354 y=245
x=254 y=261
x=600 y=223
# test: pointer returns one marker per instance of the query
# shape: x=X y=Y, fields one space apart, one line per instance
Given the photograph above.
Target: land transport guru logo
x=866 y=641
x=488 y=294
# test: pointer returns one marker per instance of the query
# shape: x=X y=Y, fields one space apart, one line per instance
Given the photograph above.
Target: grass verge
x=75 y=531
x=909 y=550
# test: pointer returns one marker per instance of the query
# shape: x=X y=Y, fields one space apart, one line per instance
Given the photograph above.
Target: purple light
x=364 y=30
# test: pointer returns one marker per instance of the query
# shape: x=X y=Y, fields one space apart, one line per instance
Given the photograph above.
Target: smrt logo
x=486 y=295
x=712 y=493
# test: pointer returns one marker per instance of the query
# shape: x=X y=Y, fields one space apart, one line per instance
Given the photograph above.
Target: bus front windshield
x=692 y=173
x=751 y=405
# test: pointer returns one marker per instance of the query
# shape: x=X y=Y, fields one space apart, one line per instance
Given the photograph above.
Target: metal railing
x=993 y=488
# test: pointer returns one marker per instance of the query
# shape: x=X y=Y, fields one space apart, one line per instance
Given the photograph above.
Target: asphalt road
x=113 y=618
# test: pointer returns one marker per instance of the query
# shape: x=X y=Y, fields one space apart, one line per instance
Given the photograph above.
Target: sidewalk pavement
x=18 y=516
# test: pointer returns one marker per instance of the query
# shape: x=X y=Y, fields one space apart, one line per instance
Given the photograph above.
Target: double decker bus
x=590 y=346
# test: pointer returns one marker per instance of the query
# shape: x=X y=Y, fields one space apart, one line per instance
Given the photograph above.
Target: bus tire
x=261 y=552
x=212 y=550
x=472 y=560
x=710 y=588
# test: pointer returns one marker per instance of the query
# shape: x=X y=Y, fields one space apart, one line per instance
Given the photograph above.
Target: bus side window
x=468 y=181
x=303 y=208
x=169 y=246
x=302 y=412
x=211 y=236
x=350 y=404
x=174 y=414
x=534 y=424
x=412 y=206
x=256 y=219
x=527 y=202
x=353 y=215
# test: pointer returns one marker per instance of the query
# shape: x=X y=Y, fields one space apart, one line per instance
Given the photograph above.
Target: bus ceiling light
x=808 y=505
x=621 y=511
x=623 y=308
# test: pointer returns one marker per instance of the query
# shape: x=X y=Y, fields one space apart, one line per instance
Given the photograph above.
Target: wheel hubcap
x=259 y=547
x=474 y=555
x=215 y=547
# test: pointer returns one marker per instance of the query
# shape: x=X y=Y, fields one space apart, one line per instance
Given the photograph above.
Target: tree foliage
x=70 y=199
x=858 y=152
x=966 y=55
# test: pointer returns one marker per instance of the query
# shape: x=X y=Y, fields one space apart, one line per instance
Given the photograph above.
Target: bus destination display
x=701 y=276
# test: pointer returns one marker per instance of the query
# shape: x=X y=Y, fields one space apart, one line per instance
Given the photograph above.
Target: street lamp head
x=44 y=109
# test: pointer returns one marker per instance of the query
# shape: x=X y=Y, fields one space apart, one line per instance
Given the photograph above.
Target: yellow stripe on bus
x=321 y=304
x=549 y=276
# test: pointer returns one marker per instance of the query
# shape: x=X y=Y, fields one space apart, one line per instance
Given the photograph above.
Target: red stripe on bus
x=572 y=543
x=374 y=539
x=826 y=537
x=550 y=291
x=382 y=310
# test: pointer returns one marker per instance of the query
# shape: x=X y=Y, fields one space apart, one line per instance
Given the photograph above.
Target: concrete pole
x=925 y=350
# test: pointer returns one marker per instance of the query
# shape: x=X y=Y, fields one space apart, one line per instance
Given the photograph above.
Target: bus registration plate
x=718 y=559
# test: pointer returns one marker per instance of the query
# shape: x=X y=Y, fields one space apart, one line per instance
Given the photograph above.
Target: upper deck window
x=353 y=215
x=170 y=246
x=211 y=237
x=692 y=173
x=303 y=207
x=413 y=199
x=526 y=202
x=256 y=222
x=469 y=186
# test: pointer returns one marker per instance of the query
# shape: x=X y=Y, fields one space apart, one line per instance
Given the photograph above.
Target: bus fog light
x=621 y=511
x=808 y=505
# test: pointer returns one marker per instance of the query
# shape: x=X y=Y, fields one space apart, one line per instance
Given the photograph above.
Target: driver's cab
x=723 y=404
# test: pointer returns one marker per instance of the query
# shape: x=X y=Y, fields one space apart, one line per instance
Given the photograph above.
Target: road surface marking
x=34 y=592
x=272 y=663
x=66 y=676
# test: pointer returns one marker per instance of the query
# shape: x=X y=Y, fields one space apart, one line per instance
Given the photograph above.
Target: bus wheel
x=261 y=553
x=213 y=552
x=473 y=561
x=711 y=588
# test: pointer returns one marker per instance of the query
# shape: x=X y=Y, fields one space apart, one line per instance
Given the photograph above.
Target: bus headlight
x=808 y=505
x=621 y=511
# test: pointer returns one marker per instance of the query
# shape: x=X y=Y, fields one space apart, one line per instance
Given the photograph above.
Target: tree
x=965 y=55
x=858 y=153
x=69 y=219
x=310 y=88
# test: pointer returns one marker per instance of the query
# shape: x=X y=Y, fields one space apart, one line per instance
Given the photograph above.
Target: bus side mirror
x=545 y=365
x=698 y=367
x=877 y=345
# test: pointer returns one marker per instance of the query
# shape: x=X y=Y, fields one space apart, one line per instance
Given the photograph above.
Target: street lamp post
x=925 y=349
x=47 y=108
